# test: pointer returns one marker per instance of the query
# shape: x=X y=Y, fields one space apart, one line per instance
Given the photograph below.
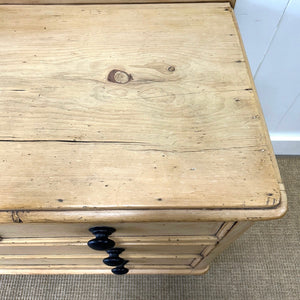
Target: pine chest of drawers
x=134 y=128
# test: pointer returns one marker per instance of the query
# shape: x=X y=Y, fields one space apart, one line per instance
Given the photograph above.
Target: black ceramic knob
x=101 y=242
x=120 y=270
x=114 y=259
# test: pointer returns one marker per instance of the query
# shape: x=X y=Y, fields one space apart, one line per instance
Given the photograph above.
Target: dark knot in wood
x=118 y=76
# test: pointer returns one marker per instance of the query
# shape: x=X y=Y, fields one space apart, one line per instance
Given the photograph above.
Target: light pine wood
x=84 y=269
x=105 y=176
x=224 y=229
x=25 y=2
x=126 y=230
x=149 y=244
x=95 y=255
x=49 y=267
x=45 y=251
x=93 y=260
x=127 y=240
x=175 y=114
x=237 y=230
x=78 y=70
x=196 y=263
x=140 y=117
x=139 y=258
x=264 y=124
x=60 y=250
x=204 y=253
x=184 y=215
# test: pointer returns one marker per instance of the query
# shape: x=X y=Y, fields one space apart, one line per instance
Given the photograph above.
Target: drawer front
x=134 y=260
x=84 y=249
x=122 y=229
x=142 y=252
x=146 y=245
x=166 y=254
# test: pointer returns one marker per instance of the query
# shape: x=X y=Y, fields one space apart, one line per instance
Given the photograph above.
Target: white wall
x=271 y=33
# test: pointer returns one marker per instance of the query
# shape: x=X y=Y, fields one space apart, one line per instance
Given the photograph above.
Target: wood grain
x=94 y=260
x=237 y=230
x=48 y=249
x=44 y=176
x=185 y=132
x=125 y=241
x=125 y=229
x=41 y=2
x=127 y=116
x=107 y=216
x=59 y=90
x=88 y=269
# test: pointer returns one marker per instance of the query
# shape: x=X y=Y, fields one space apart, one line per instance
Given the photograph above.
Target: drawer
x=144 y=254
x=75 y=230
x=84 y=249
x=148 y=246
x=134 y=260
x=62 y=246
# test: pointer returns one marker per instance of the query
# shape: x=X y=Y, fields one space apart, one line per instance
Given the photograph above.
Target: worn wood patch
x=107 y=175
x=129 y=106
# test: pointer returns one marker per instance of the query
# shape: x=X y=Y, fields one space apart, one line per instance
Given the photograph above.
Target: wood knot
x=171 y=69
x=118 y=76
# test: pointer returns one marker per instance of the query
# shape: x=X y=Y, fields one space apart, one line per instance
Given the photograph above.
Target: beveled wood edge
x=224 y=229
x=71 y=269
x=258 y=105
x=87 y=2
x=236 y=231
x=146 y=215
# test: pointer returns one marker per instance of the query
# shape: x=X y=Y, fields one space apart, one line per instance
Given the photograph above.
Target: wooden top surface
x=129 y=107
x=30 y=2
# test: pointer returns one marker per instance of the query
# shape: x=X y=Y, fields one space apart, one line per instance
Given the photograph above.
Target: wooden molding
x=41 y=2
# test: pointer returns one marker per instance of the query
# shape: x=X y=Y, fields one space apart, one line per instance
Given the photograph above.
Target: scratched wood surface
x=94 y=259
x=125 y=230
x=232 y=2
x=129 y=106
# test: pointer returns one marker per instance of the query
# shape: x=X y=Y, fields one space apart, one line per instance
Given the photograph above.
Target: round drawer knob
x=120 y=270
x=114 y=259
x=101 y=242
